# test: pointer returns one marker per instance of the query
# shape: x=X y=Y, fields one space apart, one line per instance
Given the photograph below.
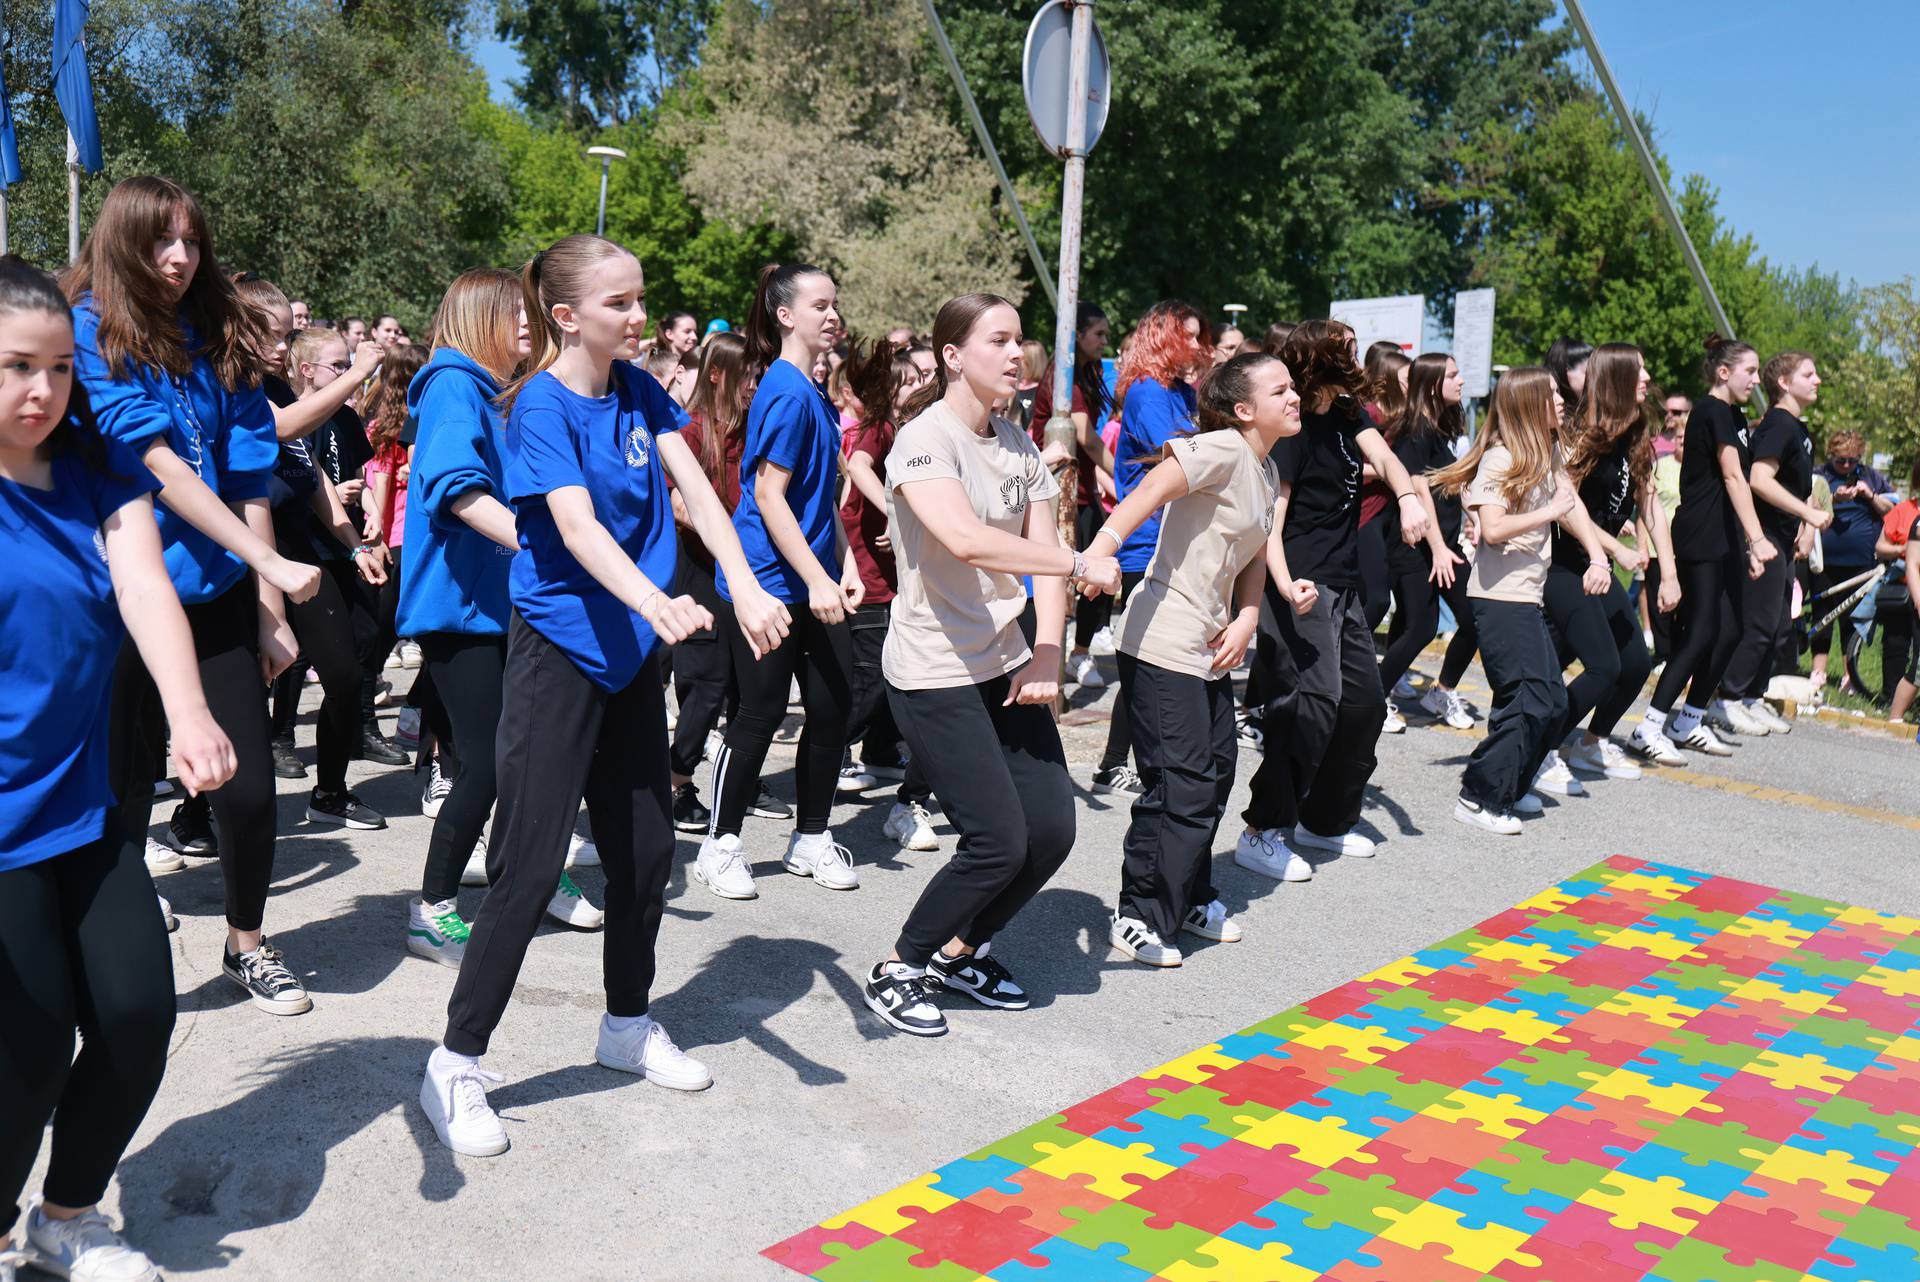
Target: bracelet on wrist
x=1109 y=533
x=1407 y=495
x=1079 y=570
x=647 y=600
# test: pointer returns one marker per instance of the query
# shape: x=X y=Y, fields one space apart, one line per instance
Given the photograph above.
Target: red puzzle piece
x=970 y=1235
x=1201 y=1201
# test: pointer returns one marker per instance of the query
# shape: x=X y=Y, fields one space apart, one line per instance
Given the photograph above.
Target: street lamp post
x=606 y=156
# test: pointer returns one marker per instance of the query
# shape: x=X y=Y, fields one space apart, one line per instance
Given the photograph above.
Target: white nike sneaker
x=1475 y=815
x=84 y=1248
x=1762 y=711
x=819 y=856
x=1601 y=757
x=453 y=1093
x=1395 y=723
x=1350 y=844
x=1086 y=672
x=1447 y=706
x=911 y=826
x=1266 y=852
x=644 y=1049
x=1554 y=777
x=722 y=868
x=1734 y=717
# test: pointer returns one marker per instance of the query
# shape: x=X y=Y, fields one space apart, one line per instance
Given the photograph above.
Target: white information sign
x=1473 y=340
x=1395 y=320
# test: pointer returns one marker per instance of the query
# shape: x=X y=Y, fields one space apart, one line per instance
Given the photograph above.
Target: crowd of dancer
x=206 y=495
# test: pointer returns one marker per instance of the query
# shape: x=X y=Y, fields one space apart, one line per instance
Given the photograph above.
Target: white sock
x=902 y=969
x=1654 y=720
x=621 y=1023
x=1684 y=721
x=813 y=840
x=443 y=1062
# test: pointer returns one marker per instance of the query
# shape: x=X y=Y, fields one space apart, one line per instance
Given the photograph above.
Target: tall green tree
x=1879 y=381
x=597 y=62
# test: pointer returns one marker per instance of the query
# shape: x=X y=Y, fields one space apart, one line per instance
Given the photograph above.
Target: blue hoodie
x=453 y=578
x=225 y=436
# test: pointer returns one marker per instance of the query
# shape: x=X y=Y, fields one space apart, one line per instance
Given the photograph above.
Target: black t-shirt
x=1607 y=493
x=1779 y=435
x=296 y=526
x=1704 y=528
x=1423 y=449
x=1322 y=533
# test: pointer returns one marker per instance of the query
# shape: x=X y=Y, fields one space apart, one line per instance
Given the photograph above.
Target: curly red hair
x=1160 y=347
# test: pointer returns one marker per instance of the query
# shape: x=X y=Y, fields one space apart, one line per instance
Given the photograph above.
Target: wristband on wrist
x=1600 y=563
x=1409 y=494
x=1110 y=534
x=1079 y=570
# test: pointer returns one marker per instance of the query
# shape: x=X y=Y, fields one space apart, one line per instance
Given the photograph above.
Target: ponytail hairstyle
x=1723 y=352
x=1088 y=377
x=1779 y=369
x=1384 y=363
x=557 y=274
x=1276 y=337
x=1427 y=408
x=478 y=317
x=952 y=326
x=779 y=285
x=1222 y=388
x=260 y=299
x=875 y=378
x=304 y=348
x=1522 y=419
x=140 y=319
x=721 y=407
x=1564 y=356
x=1320 y=355
x=659 y=360
x=1160 y=348
x=1609 y=415
x=386 y=407
x=1033 y=360
x=25 y=288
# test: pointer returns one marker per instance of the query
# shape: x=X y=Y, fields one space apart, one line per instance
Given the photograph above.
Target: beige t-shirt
x=1517 y=569
x=1207 y=537
x=953 y=624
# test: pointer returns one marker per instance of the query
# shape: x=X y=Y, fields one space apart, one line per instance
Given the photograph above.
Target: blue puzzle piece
x=1688 y=985
x=1547 y=1007
x=1850 y=1058
x=1665 y=1068
x=963 y=1177
x=1674 y=872
x=1691 y=928
x=1482 y=1198
x=1175 y=1141
x=1401 y=1025
x=1441 y=958
x=1863 y=1145
x=1855 y=1262
x=1358 y=1111
x=1541 y=1097
x=1792 y=979
x=1566 y=942
x=1314 y=1249
x=1715 y=1181
x=1070 y=1262
x=1250 y=1045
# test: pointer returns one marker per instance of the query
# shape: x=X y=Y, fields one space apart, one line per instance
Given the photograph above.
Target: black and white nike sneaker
x=898 y=994
x=979 y=977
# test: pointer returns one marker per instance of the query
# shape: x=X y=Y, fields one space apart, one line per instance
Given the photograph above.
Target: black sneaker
x=767 y=806
x=1119 y=781
x=270 y=985
x=979 y=977
x=285 y=763
x=191 y=830
x=688 y=814
x=343 y=810
x=900 y=997
x=376 y=747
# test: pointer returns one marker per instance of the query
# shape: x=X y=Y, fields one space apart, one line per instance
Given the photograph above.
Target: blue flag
x=9 y=152
x=73 y=83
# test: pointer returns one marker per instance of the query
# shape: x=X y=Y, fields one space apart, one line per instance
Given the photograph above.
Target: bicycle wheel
x=1859 y=641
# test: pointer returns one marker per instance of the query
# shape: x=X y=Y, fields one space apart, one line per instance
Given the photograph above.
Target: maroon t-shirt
x=1087 y=490
x=863 y=522
x=1376 y=494
x=726 y=485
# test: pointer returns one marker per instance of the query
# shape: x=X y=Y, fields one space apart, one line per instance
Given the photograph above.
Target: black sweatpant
x=1323 y=716
x=82 y=947
x=702 y=671
x=1709 y=596
x=821 y=654
x=1184 y=736
x=1002 y=779
x=1417 y=621
x=1763 y=605
x=1603 y=633
x=1529 y=701
x=323 y=625
x=1119 y=730
x=1089 y=616
x=1376 y=579
x=226 y=637
x=561 y=738
x=469 y=669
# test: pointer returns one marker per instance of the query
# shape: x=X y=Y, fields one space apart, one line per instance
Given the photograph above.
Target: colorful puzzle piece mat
x=1644 y=1072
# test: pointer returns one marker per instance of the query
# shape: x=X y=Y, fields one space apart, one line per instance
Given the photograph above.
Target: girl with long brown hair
x=589 y=440
x=1387 y=370
x=1325 y=704
x=167 y=355
x=1510 y=477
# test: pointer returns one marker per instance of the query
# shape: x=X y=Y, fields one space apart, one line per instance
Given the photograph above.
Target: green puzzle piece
x=1844 y=1112
x=1231 y=1121
x=1023 y=1146
x=1700 y=1139
x=1876 y=1227
x=1531 y=1170
x=1696 y=1048
x=886 y=1260
x=1149 y=1250
x=1856 y=1033
x=1695 y=1260
x=1332 y=1198
x=1412 y=1096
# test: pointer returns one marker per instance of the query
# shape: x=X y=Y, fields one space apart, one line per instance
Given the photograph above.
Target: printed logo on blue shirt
x=100 y=544
x=639 y=446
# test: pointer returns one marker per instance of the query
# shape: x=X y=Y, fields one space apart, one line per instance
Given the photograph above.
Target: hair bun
x=1715 y=342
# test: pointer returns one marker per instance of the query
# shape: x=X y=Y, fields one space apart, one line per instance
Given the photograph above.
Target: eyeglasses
x=339 y=367
x=1843 y=461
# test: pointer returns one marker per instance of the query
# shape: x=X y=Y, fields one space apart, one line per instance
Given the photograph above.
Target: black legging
x=1603 y=633
x=821 y=654
x=1376 y=579
x=82 y=947
x=702 y=671
x=227 y=640
x=1707 y=615
x=1089 y=616
x=1417 y=621
x=323 y=625
x=1119 y=729
x=467 y=670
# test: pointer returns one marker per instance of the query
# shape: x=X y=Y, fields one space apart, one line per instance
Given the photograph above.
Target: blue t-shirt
x=557 y=438
x=1153 y=415
x=1849 y=540
x=790 y=423
x=60 y=633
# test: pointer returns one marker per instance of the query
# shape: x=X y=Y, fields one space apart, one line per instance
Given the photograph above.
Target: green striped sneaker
x=436 y=932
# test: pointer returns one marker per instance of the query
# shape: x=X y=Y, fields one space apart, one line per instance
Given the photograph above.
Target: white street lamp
x=606 y=156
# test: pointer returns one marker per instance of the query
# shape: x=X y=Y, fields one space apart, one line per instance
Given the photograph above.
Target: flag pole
x=3 y=221
x=73 y=199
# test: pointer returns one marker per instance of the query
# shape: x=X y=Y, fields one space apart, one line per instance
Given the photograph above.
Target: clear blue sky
x=1805 y=115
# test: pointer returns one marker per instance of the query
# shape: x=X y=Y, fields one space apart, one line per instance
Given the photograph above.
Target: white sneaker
x=12 y=1260
x=410 y=654
x=1212 y=921
x=911 y=826
x=722 y=868
x=1447 y=706
x=437 y=932
x=1554 y=777
x=1654 y=746
x=569 y=907
x=453 y=1093
x=817 y=855
x=854 y=778
x=1266 y=852
x=475 y=873
x=582 y=853
x=436 y=791
x=1475 y=815
x=1601 y=757
x=1086 y=672
x=1131 y=936
x=84 y=1248
x=1760 y=710
x=1395 y=723
x=1350 y=844
x=643 y=1048
x=1102 y=642
x=1403 y=689
x=406 y=727
x=1733 y=717
x=163 y=858
x=167 y=918
x=1702 y=739
x=1529 y=805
